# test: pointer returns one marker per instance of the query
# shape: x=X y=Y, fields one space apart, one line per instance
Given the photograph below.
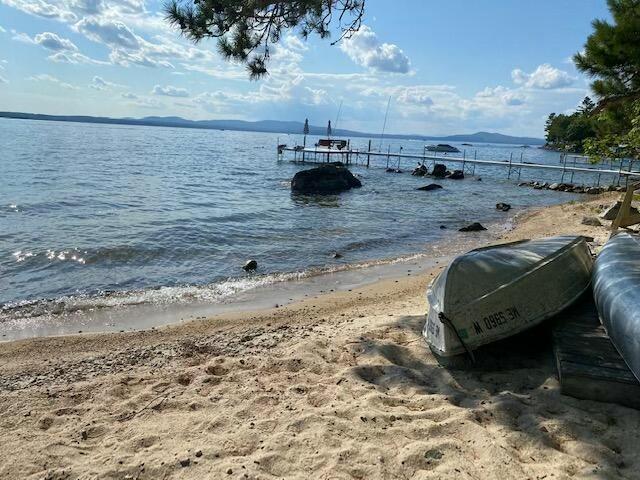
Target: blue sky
x=449 y=67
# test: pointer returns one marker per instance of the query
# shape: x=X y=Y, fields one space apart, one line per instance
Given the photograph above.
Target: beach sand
x=338 y=386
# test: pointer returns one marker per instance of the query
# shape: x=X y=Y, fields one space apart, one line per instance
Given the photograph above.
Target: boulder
x=327 y=179
x=420 y=171
x=431 y=186
x=591 y=221
x=474 y=227
x=612 y=212
x=250 y=266
x=439 y=170
x=505 y=207
x=554 y=186
x=456 y=175
x=594 y=190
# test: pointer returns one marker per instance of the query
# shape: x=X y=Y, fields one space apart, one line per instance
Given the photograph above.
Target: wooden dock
x=589 y=366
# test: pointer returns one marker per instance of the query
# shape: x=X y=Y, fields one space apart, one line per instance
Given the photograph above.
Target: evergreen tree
x=612 y=54
x=245 y=29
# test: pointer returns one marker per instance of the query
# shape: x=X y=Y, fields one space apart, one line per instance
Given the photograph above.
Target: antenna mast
x=384 y=125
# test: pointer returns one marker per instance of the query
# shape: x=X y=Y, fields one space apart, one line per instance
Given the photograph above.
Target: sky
x=458 y=66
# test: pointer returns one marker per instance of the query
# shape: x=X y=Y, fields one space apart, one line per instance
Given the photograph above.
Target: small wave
x=211 y=293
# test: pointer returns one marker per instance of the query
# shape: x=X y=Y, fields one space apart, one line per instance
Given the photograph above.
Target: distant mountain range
x=270 y=126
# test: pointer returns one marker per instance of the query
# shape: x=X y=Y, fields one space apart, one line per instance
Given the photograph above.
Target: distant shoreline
x=268 y=126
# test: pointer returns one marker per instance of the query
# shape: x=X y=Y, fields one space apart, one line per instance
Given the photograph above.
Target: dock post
x=399 y=158
x=464 y=156
x=510 y=160
x=620 y=172
x=369 y=153
x=388 y=152
x=304 y=147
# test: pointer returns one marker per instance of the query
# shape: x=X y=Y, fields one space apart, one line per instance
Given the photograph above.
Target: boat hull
x=550 y=284
x=616 y=282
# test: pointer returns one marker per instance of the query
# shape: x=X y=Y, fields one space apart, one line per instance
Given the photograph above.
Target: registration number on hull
x=496 y=320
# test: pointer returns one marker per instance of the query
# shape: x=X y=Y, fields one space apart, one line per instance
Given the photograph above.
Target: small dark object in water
x=443 y=227
x=337 y=255
x=479 y=179
x=505 y=207
x=250 y=265
x=474 y=227
x=420 y=171
x=456 y=175
x=393 y=170
x=431 y=186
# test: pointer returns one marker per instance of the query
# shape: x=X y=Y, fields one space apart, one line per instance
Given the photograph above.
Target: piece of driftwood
x=626 y=217
x=589 y=366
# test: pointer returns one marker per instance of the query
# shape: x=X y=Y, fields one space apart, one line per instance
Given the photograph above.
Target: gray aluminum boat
x=495 y=292
x=616 y=289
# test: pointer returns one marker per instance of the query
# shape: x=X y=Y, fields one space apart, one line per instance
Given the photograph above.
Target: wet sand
x=335 y=386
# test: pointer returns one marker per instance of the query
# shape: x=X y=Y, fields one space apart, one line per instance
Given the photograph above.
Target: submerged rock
x=505 y=207
x=327 y=179
x=456 y=175
x=431 y=186
x=474 y=227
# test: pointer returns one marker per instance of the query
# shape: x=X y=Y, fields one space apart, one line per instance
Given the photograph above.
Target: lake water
x=96 y=217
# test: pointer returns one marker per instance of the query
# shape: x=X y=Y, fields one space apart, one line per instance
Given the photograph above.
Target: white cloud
x=45 y=77
x=51 y=41
x=170 y=91
x=22 y=37
x=129 y=95
x=41 y=8
x=501 y=95
x=2 y=30
x=99 y=83
x=365 y=49
x=544 y=77
x=112 y=33
x=74 y=58
x=3 y=80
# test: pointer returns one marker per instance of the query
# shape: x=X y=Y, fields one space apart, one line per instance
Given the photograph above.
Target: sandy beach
x=337 y=386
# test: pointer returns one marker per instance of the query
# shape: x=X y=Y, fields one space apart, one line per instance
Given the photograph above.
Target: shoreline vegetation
x=341 y=384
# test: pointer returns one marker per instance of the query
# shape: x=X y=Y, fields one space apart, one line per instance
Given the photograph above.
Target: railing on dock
x=350 y=156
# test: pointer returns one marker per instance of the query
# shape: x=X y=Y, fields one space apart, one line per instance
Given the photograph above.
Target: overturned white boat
x=494 y=292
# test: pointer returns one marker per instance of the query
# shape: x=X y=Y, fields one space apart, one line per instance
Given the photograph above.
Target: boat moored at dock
x=442 y=147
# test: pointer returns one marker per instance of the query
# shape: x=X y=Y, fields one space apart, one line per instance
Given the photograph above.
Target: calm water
x=104 y=215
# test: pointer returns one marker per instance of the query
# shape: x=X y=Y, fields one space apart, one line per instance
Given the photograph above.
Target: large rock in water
x=326 y=179
x=439 y=170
